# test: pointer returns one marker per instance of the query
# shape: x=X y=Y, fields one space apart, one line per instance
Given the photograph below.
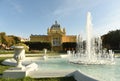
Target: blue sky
x=25 y=17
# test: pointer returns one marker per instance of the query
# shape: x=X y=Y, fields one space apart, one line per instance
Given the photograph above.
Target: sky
x=25 y=17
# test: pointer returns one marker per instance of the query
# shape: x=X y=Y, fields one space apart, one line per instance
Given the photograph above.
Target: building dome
x=55 y=26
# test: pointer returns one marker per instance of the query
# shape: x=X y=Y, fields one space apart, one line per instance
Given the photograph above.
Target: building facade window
x=56 y=42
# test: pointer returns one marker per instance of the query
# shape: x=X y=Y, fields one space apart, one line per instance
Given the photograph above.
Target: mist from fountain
x=90 y=51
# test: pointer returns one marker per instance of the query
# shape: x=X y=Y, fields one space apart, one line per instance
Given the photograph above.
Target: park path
x=11 y=55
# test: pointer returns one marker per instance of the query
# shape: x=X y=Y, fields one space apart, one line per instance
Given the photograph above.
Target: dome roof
x=55 y=26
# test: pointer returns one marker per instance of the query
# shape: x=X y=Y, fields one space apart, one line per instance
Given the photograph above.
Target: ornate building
x=56 y=35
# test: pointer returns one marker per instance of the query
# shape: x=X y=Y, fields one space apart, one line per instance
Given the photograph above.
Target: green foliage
x=3 y=38
x=111 y=40
x=40 y=79
x=6 y=52
x=16 y=39
x=21 y=79
x=39 y=45
x=69 y=46
x=27 y=79
x=8 y=40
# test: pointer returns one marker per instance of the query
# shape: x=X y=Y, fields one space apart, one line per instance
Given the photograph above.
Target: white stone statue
x=19 y=56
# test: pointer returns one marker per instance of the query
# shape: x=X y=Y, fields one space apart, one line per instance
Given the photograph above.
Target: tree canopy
x=111 y=40
x=8 y=41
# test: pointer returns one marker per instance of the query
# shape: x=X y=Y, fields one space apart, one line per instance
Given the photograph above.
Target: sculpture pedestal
x=14 y=73
x=19 y=71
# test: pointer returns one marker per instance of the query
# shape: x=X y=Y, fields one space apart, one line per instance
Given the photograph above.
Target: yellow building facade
x=56 y=35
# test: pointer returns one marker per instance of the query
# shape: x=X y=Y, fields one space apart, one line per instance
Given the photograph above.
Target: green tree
x=17 y=39
x=8 y=40
x=111 y=40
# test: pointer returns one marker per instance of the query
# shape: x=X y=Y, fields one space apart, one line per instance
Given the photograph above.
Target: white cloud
x=16 y=6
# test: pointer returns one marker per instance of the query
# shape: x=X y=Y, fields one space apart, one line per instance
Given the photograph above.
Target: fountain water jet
x=89 y=35
x=91 y=52
x=45 y=56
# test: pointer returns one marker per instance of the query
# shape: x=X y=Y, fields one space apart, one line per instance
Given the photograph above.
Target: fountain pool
x=99 y=72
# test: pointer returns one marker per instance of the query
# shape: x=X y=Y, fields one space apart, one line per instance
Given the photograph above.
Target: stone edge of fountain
x=79 y=76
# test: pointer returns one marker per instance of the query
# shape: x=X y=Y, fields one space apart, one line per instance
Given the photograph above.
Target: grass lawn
x=3 y=68
x=40 y=79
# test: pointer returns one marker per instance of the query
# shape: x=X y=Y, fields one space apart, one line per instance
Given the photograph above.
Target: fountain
x=45 y=57
x=91 y=51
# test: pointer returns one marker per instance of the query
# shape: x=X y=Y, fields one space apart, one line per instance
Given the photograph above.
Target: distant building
x=56 y=35
x=24 y=39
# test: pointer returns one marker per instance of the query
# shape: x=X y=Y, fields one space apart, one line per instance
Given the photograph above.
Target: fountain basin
x=61 y=66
